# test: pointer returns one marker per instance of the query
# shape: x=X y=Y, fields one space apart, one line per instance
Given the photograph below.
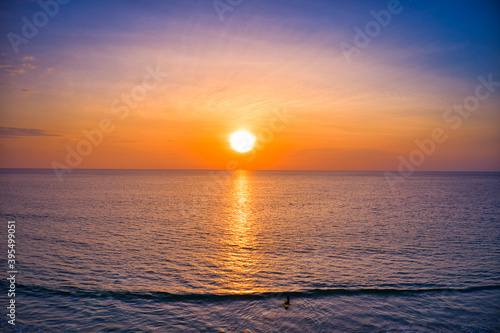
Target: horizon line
x=306 y=170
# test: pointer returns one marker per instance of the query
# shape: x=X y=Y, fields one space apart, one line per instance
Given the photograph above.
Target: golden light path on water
x=240 y=259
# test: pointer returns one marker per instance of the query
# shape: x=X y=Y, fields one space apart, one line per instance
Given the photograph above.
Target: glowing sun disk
x=242 y=141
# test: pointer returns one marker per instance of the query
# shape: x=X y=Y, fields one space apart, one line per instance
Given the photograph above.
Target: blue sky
x=463 y=34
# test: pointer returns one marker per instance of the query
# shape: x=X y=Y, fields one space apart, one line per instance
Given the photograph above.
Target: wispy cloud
x=15 y=71
x=26 y=64
x=15 y=132
x=27 y=91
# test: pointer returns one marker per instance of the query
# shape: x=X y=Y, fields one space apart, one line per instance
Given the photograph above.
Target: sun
x=242 y=141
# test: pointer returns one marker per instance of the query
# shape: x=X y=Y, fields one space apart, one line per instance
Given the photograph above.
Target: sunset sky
x=274 y=68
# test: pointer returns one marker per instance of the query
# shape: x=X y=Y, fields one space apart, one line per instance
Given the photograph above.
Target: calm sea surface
x=201 y=251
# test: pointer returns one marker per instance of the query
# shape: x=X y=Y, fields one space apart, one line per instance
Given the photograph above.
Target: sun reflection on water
x=240 y=259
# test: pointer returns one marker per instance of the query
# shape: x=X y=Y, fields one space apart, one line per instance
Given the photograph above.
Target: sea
x=218 y=251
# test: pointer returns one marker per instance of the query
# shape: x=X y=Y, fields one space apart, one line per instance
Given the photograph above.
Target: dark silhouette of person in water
x=287 y=302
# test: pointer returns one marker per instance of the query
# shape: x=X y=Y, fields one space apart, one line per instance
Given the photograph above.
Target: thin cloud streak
x=15 y=132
